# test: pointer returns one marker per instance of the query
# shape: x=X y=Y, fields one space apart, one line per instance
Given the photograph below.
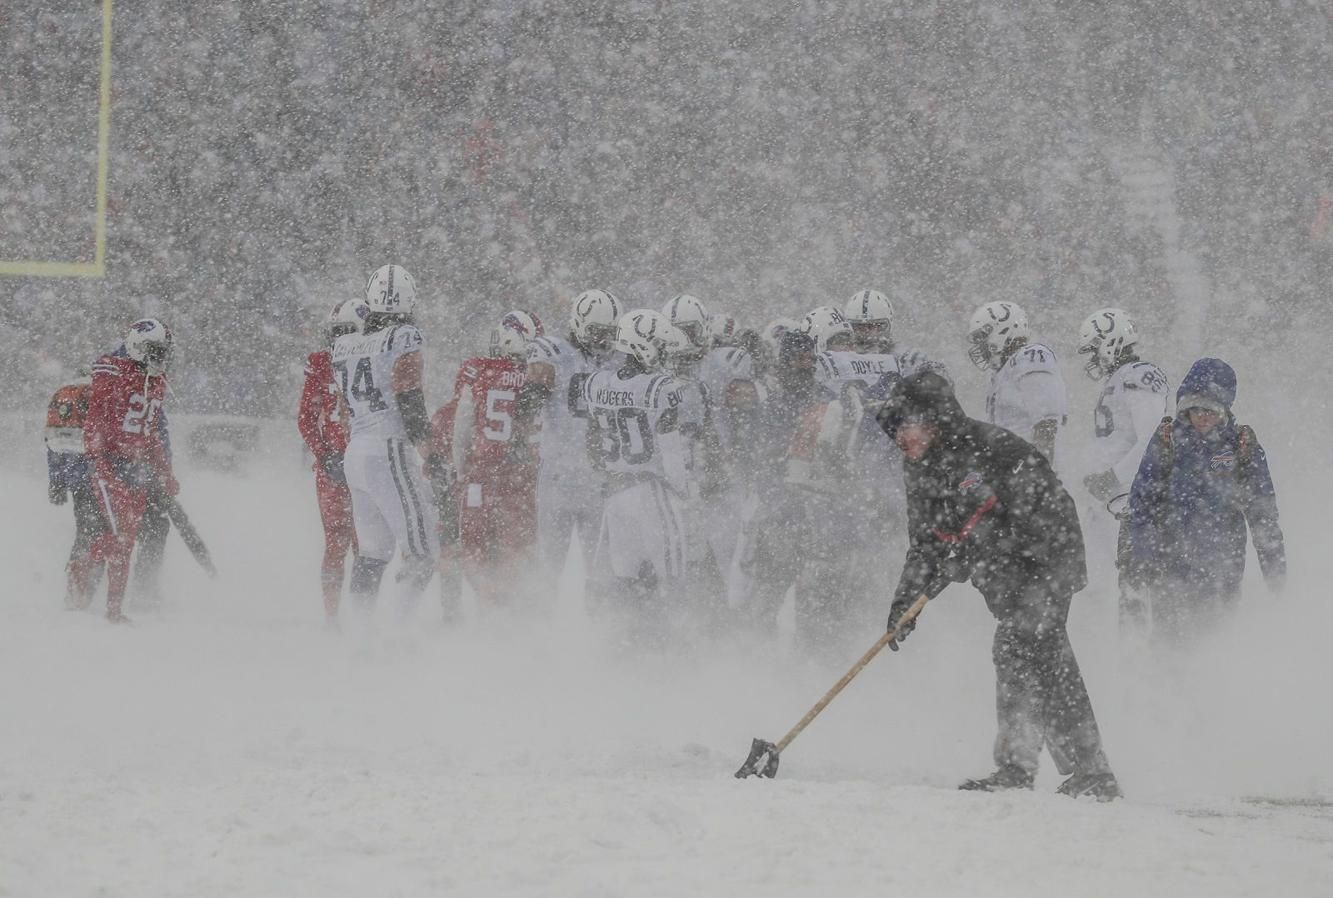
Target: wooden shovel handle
x=865 y=659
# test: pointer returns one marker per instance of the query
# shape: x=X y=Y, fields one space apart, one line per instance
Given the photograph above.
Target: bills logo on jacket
x=972 y=479
x=1222 y=461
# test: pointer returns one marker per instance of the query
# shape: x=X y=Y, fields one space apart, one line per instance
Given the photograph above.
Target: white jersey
x=836 y=370
x=638 y=419
x=1026 y=390
x=565 y=415
x=363 y=369
x=1132 y=403
x=720 y=368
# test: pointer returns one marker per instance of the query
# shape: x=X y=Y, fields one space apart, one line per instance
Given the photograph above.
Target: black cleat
x=1007 y=777
x=1101 y=786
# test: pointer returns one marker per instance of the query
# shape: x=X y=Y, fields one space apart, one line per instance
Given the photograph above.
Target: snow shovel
x=193 y=541
x=763 y=759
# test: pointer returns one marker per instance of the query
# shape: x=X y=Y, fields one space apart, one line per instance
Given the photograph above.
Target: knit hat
x=1210 y=384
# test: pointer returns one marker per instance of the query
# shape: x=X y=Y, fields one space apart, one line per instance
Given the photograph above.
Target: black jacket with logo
x=984 y=504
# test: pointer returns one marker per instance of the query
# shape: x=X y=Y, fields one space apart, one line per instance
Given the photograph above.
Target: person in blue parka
x=1203 y=478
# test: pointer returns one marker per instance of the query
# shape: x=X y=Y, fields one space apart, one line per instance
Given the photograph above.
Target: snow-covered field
x=228 y=746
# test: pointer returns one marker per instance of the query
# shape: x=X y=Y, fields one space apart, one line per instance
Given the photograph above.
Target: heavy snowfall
x=266 y=157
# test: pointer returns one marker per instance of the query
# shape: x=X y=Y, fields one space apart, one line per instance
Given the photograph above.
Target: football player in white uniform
x=379 y=375
x=568 y=491
x=727 y=377
x=1027 y=393
x=636 y=414
x=1133 y=402
x=871 y=315
x=702 y=447
x=855 y=360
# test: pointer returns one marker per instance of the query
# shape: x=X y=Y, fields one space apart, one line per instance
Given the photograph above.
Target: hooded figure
x=984 y=505
x=1202 y=479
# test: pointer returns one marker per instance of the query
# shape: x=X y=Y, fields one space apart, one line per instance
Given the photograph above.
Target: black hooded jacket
x=982 y=504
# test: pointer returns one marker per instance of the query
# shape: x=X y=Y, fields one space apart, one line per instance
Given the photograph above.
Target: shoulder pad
x=405 y=336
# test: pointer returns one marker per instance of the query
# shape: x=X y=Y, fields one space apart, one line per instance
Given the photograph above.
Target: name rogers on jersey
x=625 y=397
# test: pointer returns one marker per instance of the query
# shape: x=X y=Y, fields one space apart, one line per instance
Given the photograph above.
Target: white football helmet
x=347 y=317
x=149 y=343
x=511 y=336
x=594 y=320
x=689 y=314
x=871 y=315
x=1104 y=337
x=829 y=327
x=648 y=337
x=995 y=330
x=723 y=330
x=391 y=291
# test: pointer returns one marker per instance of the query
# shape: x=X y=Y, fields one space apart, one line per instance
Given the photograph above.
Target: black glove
x=896 y=612
x=439 y=472
x=1104 y=486
x=57 y=494
x=331 y=463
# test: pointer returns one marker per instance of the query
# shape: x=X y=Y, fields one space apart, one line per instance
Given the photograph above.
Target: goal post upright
x=97 y=267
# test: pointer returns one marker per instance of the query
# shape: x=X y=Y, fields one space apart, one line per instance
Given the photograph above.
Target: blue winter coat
x=1190 y=503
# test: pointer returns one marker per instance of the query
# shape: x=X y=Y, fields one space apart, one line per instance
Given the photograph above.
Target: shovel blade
x=763 y=761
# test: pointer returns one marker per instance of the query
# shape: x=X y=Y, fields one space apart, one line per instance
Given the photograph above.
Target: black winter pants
x=1040 y=698
x=88 y=520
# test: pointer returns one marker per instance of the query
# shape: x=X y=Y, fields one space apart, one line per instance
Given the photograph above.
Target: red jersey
x=321 y=425
x=124 y=414
x=478 y=426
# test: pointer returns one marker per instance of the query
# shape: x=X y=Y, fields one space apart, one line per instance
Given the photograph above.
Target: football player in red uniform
x=123 y=440
x=321 y=422
x=494 y=455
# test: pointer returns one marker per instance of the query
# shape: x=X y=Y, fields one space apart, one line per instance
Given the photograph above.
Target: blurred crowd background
x=266 y=155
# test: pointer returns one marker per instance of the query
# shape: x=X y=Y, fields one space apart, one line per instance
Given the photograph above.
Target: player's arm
x=1043 y=436
x=1042 y=392
x=406 y=383
x=99 y=424
x=465 y=412
x=536 y=390
x=1146 y=408
x=309 y=412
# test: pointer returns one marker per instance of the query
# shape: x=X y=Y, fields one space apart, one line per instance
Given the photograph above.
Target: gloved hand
x=57 y=494
x=1104 y=485
x=439 y=472
x=137 y=474
x=172 y=485
x=896 y=612
x=953 y=567
x=331 y=463
x=521 y=453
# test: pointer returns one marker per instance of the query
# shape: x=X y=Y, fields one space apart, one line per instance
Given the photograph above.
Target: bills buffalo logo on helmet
x=144 y=326
x=516 y=323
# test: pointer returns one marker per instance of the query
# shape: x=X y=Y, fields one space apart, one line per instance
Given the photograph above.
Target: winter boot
x=1007 y=777
x=1101 y=786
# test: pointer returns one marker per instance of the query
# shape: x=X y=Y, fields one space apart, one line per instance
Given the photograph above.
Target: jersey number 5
x=499 y=415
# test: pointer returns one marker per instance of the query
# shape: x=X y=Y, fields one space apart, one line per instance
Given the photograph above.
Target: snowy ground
x=228 y=746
